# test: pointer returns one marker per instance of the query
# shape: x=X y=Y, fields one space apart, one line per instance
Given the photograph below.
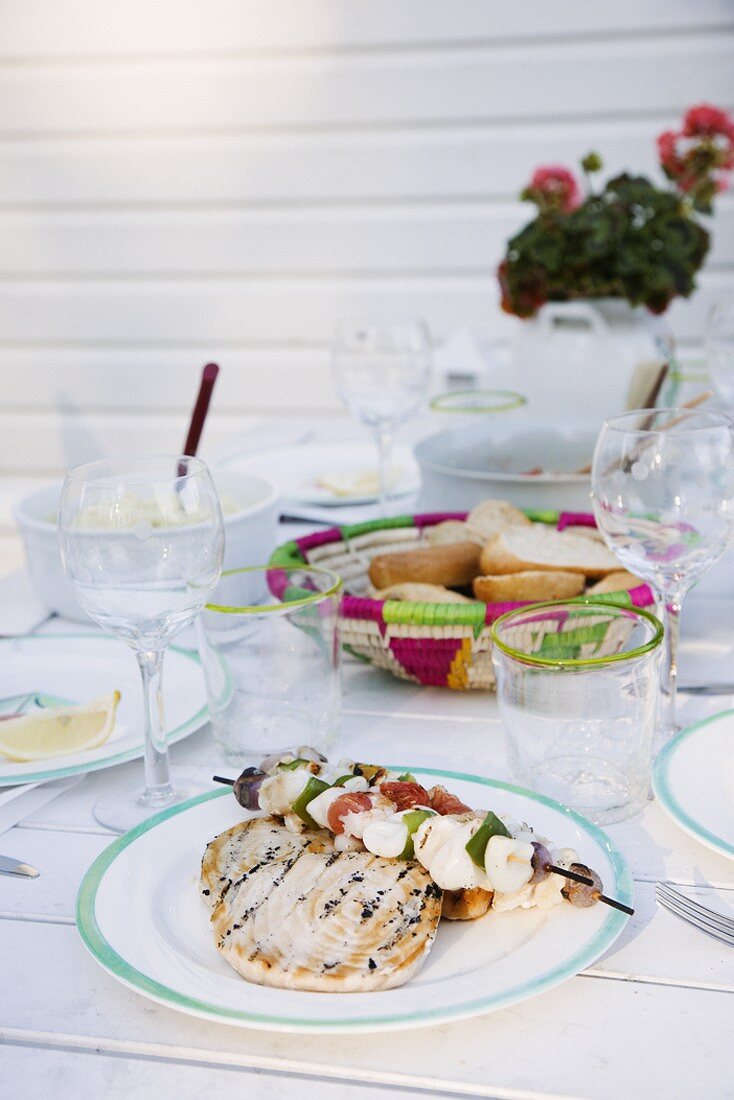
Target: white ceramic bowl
x=462 y=466
x=250 y=535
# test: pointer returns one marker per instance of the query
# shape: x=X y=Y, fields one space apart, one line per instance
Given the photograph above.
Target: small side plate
x=693 y=780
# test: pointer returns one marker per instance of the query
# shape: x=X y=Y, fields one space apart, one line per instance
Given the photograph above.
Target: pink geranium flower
x=668 y=151
x=698 y=156
x=707 y=121
x=553 y=187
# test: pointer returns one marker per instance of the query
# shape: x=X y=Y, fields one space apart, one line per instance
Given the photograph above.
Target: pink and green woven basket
x=441 y=644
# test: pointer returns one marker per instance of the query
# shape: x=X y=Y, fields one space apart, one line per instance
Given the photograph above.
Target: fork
x=712 y=923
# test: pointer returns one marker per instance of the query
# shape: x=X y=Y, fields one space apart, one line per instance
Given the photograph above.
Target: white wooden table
x=653 y=1017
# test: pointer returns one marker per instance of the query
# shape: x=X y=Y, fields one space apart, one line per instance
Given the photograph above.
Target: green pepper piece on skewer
x=413 y=819
x=477 y=845
x=343 y=779
x=293 y=764
x=313 y=787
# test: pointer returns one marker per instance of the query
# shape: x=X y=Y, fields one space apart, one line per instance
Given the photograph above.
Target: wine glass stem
x=384 y=450
x=158 y=789
x=671 y=620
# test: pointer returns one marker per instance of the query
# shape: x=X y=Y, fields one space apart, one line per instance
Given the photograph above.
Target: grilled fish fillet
x=336 y=922
x=257 y=840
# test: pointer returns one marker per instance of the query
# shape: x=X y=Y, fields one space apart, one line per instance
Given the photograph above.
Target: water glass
x=381 y=373
x=577 y=685
x=663 y=489
x=142 y=541
x=270 y=647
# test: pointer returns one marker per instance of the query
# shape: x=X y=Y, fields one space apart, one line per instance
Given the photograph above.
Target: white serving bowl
x=250 y=535
x=462 y=466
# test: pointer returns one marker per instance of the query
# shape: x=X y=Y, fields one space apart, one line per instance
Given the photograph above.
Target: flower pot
x=583 y=360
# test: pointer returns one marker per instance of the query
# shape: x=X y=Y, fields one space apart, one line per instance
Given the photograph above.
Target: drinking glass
x=142 y=541
x=720 y=349
x=270 y=649
x=464 y=407
x=381 y=373
x=577 y=684
x=663 y=488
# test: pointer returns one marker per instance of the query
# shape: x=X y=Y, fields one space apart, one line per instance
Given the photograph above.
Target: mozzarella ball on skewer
x=508 y=863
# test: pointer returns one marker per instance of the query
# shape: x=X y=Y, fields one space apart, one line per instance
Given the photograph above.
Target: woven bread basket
x=440 y=644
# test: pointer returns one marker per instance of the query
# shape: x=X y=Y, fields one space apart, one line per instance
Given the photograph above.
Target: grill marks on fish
x=321 y=920
x=248 y=844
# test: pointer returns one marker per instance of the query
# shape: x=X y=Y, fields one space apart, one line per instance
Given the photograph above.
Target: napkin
x=17 y=803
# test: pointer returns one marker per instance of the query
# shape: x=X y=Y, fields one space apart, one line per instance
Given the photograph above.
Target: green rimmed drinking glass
x=477 y=402
x=577 y=691
x=270 y=649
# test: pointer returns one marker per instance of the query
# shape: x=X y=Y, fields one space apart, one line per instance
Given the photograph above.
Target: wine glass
x=142 y=541
x=381 y=373
x=720 y=349
x=663 y=490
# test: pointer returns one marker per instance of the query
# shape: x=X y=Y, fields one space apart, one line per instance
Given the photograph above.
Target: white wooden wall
x=182 y=180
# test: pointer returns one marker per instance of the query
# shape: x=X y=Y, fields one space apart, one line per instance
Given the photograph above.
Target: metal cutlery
x=10 y=866
x=706 y=920
x=706 y=689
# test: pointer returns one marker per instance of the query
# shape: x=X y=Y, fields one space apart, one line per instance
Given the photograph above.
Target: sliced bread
x=454 y=566
x=533 y=584
x=620 y=581
x=492 y=516
x=585 y=532
x=453 y=530
x=517 y=549
x=418 y=593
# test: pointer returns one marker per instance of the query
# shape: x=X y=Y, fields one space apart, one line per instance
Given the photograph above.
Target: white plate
x=74 y=668
x=295 y=469
x=693 y=779
x=462 y=466
x=159 y=942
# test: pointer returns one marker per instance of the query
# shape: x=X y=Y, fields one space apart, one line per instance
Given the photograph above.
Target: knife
x=9 y=866
x=706 y=689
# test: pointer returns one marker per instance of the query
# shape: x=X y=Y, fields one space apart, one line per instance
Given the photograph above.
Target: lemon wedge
x=59 y=731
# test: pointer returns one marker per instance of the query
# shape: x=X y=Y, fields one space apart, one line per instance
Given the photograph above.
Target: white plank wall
x=183 y=181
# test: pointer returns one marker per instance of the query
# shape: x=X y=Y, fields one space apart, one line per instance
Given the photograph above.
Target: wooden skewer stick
x=583 y=879
x=574 y=875
x=586 y=881
x=694 y=402
x=615 y=904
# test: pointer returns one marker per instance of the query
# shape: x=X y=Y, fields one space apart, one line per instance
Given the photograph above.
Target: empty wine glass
x=720 y=349
x=381 y=373
x=142 y=541
x=663 y=489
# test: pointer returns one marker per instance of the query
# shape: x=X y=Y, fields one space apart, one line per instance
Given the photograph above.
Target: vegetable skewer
x=490 y=845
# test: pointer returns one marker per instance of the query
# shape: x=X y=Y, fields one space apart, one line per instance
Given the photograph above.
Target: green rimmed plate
x=693 y=780
x=159 y=942
x=75 y=668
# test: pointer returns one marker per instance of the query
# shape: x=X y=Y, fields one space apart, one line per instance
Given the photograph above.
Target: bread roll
x=453 y=530
x=517 y=549
x=489 y=517
x=533 y=584
x=418 y=593
x=620 y=581
x=592 y=533
x=452 y=566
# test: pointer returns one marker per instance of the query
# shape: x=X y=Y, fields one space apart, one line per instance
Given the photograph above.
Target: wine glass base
x=123 y=809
